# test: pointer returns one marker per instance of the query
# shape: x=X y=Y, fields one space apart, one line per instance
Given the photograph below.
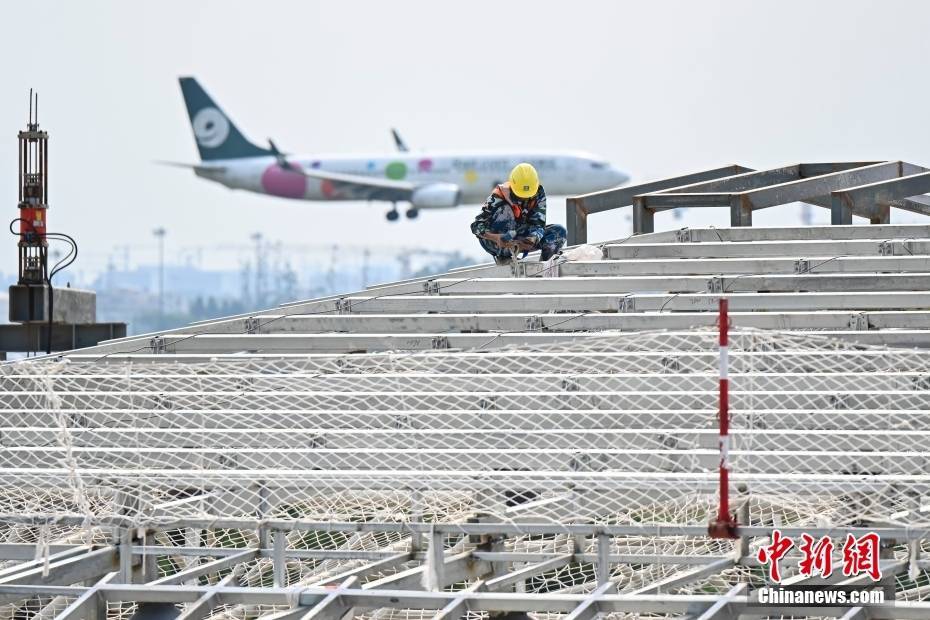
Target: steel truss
x=866 y=189
x=427 y=576
x=871 y=287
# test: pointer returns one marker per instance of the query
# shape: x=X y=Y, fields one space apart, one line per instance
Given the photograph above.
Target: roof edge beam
x=606 y=200
x=739 y=182
x=819 y=186
x=577 y=208
x=872 y=200
x=801 y=182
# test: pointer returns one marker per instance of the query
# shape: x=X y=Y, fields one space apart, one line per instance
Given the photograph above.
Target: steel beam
x=304 y=554
x=576 y=221
x=458 y=607
x=873 y=200
x=279 y=560
x=605 y=200
x=331 y=607
x=455 y=568
x=812 y=281
x=589 y=607
x=198 y=570
x=508 y=579
x=73 y=569
x=681 y=267
x=367 y=569
x=724 y=608
x=380 y=560
x=816 y=169
x=892 y=301
x=478 y=601
x=126 y=559
x=579 y=207
x=86 y=605
x=644 y=220
x=435 y=562
x=736 y=183
x=801 y=233
x=746 y=301
x=572 y=322
x=893 y=534
x=915 y=204
x=27 y=551
x=817 y=186
x=758 y=179
x=32 y=564
x=759 y=249
x=686 y=577
x=205 y=603
x=602 y=566
x=743 y=203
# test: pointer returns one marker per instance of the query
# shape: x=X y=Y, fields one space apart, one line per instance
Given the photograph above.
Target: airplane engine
x=436 y=196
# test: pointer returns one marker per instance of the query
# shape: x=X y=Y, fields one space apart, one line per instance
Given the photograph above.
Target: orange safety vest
x=503 y=191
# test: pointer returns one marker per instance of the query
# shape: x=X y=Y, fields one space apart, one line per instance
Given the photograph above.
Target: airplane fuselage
x=474 y=173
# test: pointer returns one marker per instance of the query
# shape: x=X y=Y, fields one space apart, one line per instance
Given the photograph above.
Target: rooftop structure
x=532 y=439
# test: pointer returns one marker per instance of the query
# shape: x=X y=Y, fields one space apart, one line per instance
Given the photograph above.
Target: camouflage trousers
x=554 y=236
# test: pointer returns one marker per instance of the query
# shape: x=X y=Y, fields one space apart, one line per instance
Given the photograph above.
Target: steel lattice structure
x=533 y=439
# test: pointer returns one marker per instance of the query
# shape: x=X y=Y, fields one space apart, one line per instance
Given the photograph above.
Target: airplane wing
x=438 y=195
x=360 y=187
x=351 y=186
x=355 y=186
x=195 y=167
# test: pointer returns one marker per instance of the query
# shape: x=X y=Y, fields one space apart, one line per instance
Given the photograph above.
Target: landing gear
x=392 y=215
x=412 y=213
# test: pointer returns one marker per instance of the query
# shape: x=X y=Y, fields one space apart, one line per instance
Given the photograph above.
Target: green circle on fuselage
x=396 y=170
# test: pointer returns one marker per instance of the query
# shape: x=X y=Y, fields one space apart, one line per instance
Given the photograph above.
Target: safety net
x=614 y=429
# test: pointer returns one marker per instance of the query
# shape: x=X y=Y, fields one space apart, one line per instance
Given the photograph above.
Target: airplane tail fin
x=217 y=137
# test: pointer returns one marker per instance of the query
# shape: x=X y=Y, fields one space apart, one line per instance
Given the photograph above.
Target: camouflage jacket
x=530 y=219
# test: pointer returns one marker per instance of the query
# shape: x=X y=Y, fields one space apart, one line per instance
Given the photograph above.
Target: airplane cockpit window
x=599 y=165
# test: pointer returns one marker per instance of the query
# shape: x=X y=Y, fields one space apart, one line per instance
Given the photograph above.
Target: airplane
x=423 y=180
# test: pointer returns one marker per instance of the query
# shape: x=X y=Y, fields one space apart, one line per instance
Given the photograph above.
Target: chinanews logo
x=211 y=127
x=860 y=555
x=809 y=585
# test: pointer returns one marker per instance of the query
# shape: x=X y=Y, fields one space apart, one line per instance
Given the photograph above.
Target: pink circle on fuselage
x=285 y=183
x=425 y=165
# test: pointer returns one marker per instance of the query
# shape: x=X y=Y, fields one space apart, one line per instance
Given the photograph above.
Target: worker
x=513 y=219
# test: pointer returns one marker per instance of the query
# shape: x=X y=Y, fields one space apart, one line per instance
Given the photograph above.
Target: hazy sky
x=659 y=88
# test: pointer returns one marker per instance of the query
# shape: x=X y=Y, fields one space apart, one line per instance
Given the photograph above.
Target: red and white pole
x=725 y=525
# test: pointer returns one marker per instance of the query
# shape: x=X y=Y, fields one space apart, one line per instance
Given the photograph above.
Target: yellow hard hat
x=524 y=181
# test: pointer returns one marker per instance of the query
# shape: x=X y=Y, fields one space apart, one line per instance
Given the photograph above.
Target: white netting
x=619 y=429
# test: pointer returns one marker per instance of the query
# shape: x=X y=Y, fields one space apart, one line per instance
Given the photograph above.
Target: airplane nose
x=618 y=177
